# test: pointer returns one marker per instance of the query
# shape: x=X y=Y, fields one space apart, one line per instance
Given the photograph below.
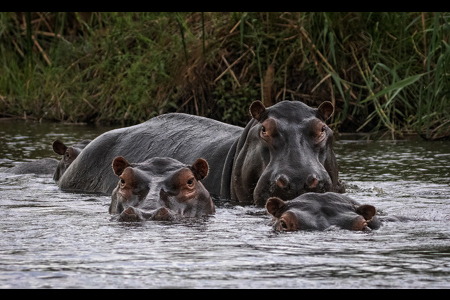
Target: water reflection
x=52 y=239
x=384 y=160
x=28 y=140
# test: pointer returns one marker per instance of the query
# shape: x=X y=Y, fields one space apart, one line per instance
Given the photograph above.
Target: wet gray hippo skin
x=314 y=211
x=69 y=153
x=180 y=136
x=160 y=188
x=41 y=166
x=284 y=151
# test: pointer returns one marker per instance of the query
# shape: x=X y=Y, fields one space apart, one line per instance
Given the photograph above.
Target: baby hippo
x=314 y=211
x=160 y=188
x=69 y=154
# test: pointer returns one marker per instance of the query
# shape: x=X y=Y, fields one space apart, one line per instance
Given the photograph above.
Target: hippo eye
x=190 y=181
x=283 y=224
x=324 y=127
x=122 y=181
x=263 y=129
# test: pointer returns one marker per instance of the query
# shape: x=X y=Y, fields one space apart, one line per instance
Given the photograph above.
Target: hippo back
x=179 y=136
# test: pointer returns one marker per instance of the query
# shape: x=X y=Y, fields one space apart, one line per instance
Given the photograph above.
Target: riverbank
x=386 y=73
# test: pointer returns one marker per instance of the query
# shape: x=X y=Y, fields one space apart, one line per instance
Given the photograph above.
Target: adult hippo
x=160 y=188
x=313 y=211
x=68 y=153
x=284 y=151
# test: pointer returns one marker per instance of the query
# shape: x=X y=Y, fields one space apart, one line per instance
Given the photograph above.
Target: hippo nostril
x=282 y=181
x=321 y=185
x=312 y=182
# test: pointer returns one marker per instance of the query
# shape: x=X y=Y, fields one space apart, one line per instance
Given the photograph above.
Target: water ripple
x=52 y=239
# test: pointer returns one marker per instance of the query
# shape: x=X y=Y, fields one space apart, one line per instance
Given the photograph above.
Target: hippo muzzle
x=160 y=188
x=289 y=185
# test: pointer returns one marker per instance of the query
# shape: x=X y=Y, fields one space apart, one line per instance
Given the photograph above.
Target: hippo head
x=161 y=182
x=285 y=151
x=69 y=154
x=314 y=211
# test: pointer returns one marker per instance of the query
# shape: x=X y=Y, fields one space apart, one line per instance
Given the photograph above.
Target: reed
x=386 y=73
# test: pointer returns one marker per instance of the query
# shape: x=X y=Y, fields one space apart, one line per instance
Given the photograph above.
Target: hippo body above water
x=179 y=136
x=284 y=151
x=160 y=188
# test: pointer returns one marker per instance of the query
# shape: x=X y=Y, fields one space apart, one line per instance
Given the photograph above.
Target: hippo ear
x=59 y=147
x=325 y=110
x=366 y=210
x=257 y=109
x=273 y=205
x=200 y=169
x=119 y=164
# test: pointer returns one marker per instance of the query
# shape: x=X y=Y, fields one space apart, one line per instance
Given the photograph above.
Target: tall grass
x=385 y=72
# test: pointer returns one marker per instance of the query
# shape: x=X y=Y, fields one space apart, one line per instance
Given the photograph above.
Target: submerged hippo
x=313 y=211
x=69 y=154
x=51 y=165
x=284 y=151
x=40 y=166
x=160 y=188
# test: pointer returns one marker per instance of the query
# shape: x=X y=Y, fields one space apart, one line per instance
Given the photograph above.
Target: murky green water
x=52 y=239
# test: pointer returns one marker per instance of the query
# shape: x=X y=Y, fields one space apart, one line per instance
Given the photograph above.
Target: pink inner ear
x=273 y=205
x=326 y=109
x=366 y=210
x=256 y=109
x=200 y=168
x=59 y=147
x=120 y=164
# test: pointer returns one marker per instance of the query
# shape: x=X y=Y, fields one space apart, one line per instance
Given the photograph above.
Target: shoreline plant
x=386 y=73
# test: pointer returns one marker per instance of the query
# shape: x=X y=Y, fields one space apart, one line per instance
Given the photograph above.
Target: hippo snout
x=312 y=182
x=287 y=187
x=283 y=186
x=317 y=183
x=282 y=181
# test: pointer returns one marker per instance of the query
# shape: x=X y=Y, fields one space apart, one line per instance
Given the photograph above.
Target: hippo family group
x=170 y=166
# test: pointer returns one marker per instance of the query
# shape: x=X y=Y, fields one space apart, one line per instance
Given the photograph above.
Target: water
x=52 y=239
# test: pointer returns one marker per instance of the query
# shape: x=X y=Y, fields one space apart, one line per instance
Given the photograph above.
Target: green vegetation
x=386 y=73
